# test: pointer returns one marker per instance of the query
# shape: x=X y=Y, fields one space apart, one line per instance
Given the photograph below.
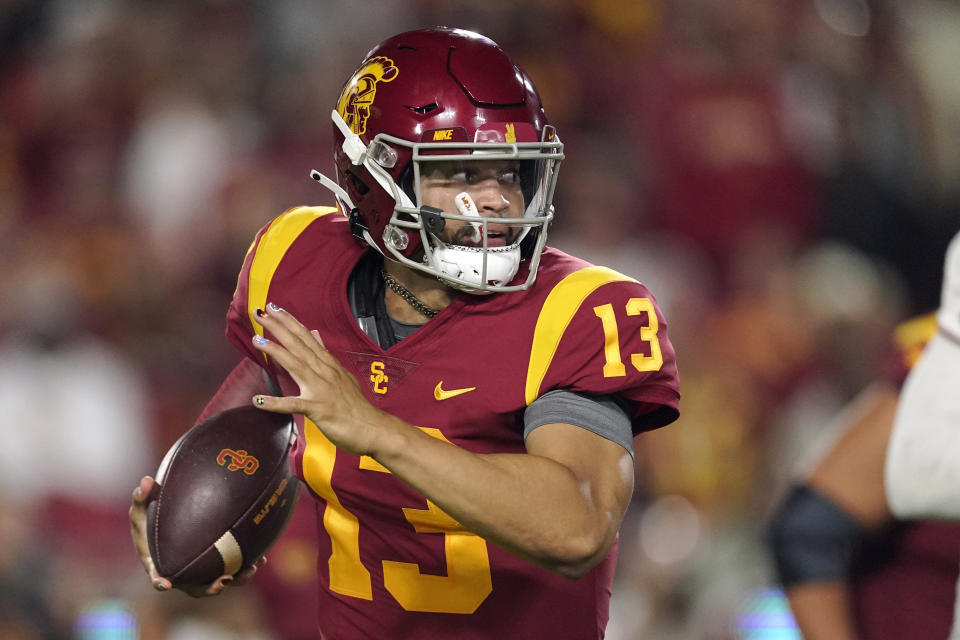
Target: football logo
x=358 y=95
x=239 y=460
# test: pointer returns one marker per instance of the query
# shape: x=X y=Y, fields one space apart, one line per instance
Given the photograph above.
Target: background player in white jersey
x=923 y=462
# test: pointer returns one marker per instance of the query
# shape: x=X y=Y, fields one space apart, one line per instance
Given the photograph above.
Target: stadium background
x=784 y=176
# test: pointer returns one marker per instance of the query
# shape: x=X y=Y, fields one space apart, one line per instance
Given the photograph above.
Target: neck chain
x=408 y=297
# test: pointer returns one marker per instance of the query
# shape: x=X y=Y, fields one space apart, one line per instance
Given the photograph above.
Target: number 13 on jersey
x=614 y=366
x=468 y=581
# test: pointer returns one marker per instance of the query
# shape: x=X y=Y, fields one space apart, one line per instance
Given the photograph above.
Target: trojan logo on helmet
x=436 y=95
x=360 y=92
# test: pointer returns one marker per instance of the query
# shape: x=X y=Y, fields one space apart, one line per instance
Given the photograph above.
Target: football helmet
x=442 y=95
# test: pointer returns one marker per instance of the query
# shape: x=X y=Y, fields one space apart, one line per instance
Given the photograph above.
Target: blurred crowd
x=783 y=175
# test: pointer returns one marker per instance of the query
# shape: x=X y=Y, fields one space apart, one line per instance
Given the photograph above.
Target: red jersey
x=391 y=564
x=905 y=585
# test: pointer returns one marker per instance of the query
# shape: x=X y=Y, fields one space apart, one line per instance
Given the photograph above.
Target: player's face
x=494 y=186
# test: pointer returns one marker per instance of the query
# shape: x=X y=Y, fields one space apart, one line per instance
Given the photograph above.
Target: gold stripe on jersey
x=348 y=576
x=912 y=336
x=555 y=316
x=272 y=247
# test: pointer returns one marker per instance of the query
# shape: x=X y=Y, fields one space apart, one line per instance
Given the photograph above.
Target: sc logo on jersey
x=378 y=377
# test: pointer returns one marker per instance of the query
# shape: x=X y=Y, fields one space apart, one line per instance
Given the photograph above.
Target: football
x=224 y=494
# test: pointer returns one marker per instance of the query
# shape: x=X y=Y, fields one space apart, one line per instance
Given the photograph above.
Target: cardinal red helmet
x=437 y=95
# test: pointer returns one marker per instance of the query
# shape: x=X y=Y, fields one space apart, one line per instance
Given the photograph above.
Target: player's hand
x=138 y=530
x=330 y=396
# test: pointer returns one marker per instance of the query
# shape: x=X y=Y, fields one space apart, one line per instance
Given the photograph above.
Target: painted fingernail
x=259 y=400
x=225 y=581
x=160 y=587
x=260 y=339
x=273 y=307
x=259 y=313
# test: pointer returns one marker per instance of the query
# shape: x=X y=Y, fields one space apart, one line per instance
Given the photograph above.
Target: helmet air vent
x=424 y=109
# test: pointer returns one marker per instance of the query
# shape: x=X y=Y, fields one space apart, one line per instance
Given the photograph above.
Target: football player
x=923 y=463
x=467 y=397
x=851 y=548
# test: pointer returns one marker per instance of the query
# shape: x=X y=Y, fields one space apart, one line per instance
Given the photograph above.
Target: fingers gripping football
x=138 y=531
x=330 y=396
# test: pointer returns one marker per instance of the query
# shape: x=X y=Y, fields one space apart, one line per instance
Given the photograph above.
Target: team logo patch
x=358 y=95
x=378 y=377
x=380 y=372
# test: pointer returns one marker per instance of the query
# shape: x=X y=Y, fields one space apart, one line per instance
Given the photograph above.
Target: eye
x=509 y=177
x=459 y=176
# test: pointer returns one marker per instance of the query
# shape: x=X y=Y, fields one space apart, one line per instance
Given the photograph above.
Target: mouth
x=498 y=235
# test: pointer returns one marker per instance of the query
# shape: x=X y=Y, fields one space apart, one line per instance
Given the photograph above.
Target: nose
x=490 y=198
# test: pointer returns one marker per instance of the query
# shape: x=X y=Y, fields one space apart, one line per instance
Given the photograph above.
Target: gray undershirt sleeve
x=603 y=415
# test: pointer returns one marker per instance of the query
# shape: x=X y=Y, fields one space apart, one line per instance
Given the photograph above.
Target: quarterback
x=466 y=396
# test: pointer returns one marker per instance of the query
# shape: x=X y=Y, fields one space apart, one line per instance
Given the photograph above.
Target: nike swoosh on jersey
x=440 y=394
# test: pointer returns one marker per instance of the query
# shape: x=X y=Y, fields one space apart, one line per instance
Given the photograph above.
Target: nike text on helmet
x=441 y=95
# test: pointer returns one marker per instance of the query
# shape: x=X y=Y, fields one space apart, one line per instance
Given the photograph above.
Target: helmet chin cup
x=473 y=269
